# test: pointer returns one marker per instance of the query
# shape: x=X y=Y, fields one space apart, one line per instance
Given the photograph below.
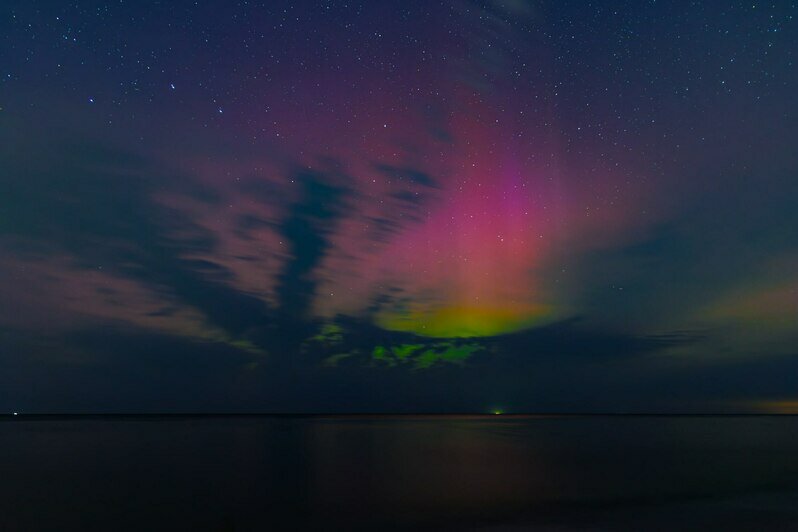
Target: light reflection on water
x=249 y=473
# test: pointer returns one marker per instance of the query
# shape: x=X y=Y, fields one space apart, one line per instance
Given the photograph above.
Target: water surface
x=402 y=472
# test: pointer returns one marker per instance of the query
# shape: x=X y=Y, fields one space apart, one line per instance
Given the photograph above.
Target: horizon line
x=32 y=415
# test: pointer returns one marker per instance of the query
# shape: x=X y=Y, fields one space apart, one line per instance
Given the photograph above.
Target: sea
x=398 y=472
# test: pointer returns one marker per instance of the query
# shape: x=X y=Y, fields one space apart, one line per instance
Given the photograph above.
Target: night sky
x=396 y=206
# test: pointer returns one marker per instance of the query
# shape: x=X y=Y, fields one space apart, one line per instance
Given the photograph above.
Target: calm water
x=491 y=473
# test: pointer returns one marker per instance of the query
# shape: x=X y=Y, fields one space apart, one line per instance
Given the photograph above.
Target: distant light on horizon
x=785 y=406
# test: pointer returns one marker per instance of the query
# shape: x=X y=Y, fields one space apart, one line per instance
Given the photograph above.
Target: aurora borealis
x=398 y=206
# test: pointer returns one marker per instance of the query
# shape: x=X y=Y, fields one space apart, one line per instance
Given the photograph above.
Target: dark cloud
x=572 y=338
x=724 y=240
x=118 y=370
x=307 y=228
x=247 y=224
x=438 y=122
x=407 y=175
x=492 y=31
x=97 y=204
x=407 y=196
x=382 y=229
x=410 y=192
